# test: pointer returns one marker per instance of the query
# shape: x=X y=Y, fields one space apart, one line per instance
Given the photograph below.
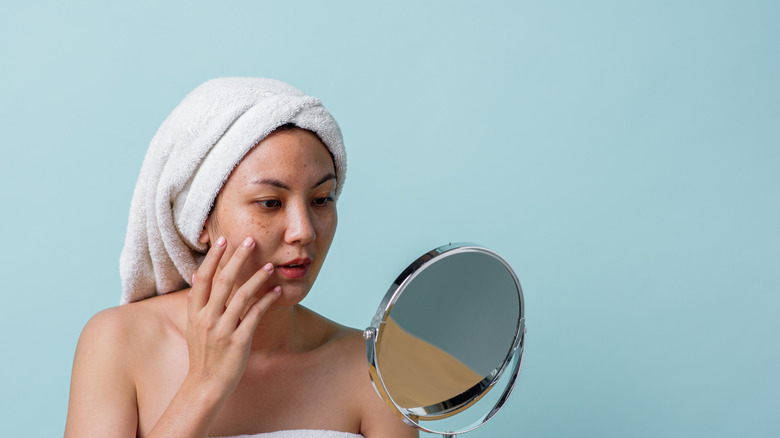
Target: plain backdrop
x=624 y=156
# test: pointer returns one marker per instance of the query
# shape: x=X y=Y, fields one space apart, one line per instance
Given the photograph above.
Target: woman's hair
x=289 y=127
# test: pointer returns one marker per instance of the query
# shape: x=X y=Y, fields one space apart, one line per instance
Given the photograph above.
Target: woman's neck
x=281 y=330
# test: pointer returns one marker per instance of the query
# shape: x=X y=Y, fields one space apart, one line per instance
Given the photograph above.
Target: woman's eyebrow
x=281 y=185
x=324 y=179
x=270 y=182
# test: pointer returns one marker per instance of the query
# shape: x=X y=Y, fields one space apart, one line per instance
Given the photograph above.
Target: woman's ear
x=204 y=235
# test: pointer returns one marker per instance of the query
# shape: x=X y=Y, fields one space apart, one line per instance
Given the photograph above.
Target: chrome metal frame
x=447 y=408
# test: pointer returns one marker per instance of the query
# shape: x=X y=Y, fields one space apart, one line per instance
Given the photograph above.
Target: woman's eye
x=270 y=203
x=321 y=202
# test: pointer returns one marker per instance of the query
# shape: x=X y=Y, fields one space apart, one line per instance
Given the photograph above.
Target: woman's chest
x=305 y=391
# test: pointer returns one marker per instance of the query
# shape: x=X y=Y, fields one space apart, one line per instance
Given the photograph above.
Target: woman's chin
x=292 y=295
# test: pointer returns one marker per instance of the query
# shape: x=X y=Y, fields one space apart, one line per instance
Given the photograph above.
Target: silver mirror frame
x=446 y=408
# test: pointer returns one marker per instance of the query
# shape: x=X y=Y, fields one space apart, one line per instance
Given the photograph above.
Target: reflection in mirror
x=445 y=332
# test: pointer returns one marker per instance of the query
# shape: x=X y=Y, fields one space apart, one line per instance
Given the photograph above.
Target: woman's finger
x=244 y=296
x=201 y=281
x=224 y=282
x=246 y=329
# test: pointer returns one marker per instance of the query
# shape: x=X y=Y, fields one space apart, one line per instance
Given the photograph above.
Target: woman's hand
x=220 y=328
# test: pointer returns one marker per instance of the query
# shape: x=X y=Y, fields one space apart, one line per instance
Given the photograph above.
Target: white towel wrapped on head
x=188 y=161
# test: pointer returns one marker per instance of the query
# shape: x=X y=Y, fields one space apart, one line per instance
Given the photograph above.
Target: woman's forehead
x=292 y=155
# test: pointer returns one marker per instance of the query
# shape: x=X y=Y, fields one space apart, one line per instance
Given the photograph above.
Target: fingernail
x=221 y=241
x=193 y=279
x=248 y=242
x=269 y=267
x=278 y=290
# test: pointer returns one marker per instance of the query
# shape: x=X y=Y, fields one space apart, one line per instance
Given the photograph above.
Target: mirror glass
x=447 y=329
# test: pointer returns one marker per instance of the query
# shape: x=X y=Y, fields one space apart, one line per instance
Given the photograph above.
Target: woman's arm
x=379 y=421
x=102 y=391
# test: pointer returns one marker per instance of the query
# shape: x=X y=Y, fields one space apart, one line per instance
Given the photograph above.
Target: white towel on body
x=302 y=434
x=188 y=161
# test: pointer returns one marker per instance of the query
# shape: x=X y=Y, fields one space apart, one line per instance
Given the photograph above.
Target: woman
x=247 y=172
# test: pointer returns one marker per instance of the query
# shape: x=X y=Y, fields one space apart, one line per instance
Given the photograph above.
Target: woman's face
x=282 y=195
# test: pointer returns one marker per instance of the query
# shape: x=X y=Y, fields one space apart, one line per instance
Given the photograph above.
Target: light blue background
x=622 y=155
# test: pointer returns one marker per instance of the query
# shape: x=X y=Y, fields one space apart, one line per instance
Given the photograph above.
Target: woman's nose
x=299 y=226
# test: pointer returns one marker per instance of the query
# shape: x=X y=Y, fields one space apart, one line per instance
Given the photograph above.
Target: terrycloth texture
x=302 y=434
x=188 y=161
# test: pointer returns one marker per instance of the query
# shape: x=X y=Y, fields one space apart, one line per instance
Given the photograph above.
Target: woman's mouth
x=294 y=269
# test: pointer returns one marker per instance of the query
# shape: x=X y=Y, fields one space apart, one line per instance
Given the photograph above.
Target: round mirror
x=448 y=328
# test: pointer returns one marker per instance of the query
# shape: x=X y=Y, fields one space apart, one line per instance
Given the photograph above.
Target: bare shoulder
x=120 y=321
x=106 y=334
x=125 y=329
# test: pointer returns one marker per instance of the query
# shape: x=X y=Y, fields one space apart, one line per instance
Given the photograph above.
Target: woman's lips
x=294 y=268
